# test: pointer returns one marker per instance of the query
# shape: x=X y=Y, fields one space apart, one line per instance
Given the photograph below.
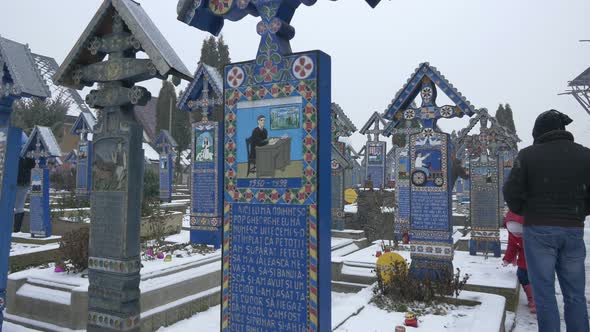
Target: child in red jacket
x=515 y=254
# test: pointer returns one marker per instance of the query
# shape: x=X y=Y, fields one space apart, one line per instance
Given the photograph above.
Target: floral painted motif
x=235 y=77
x=268 y=71
x=426 y=93
x=446 y=111
x=409 y=114
x=220 y=7
x=302 y=67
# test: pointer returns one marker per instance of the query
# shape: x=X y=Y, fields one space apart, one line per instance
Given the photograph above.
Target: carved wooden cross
x=429 y=113
x=38 y=153
x=205 y=103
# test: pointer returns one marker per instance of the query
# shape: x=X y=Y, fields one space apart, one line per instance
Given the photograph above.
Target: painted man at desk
x=274 y=152
x=259 y=137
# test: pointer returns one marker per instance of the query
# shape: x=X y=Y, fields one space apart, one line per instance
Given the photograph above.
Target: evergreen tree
x=180 y=126
x=223 y=54
x=510 y=119
x=501 y=114
x=505 y=117
x=215 y=53
x=165 y=106
x=51 y=113
x=209 y=54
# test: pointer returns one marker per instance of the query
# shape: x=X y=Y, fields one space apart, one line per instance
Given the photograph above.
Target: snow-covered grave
x=354 y=312
x=61 y=299
x=171 y=291
x=188 y=287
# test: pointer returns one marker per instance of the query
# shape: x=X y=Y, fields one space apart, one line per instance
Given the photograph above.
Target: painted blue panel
x=40 y=222
x=82 y=174
x=10 y=139
x=255 y=87
x=248 y=121
x=403 y=202
x=376 y=174
x=166 y=173
x=203 y=193
x=269 y=243
x=84 y=168
x=207 y=181
x=429 y=210
x=376 y=155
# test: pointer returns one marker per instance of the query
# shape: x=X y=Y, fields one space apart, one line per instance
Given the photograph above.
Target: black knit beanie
x=549 y=121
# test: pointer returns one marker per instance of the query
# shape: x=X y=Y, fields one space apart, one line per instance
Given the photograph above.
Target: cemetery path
x=527 y=322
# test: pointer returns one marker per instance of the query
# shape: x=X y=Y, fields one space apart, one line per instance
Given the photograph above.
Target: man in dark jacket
x=550 y=186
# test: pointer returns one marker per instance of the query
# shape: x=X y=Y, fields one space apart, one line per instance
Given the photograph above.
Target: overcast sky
x=503 y=51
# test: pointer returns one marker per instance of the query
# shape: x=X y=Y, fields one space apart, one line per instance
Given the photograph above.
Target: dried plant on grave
x=397 y=290
x=156 y=221
x=371 y=215
x=178 y=249
x=73 y=250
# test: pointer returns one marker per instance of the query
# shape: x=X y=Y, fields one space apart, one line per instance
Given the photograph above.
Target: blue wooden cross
x=41 y=146
x=203 y=94
x=205 y=103
x=84 y=126
x=166 y=145
x=274 y=28
x=429 y=169
x=19 y=77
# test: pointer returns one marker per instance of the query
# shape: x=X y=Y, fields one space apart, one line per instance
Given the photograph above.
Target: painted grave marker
x=203 y=94
x=401 y=226
x=276 y=212
x=341 y=162
x=41 y=146
x=485 y=152
x=430 y=165
x=339 y=166
x=375 y=151
x=19 y=78
x=484 y=198
x=166 y=146
x=84 y=126
x=106 y=54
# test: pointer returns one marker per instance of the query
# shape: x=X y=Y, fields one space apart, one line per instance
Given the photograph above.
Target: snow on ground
x=338 y=242
x=205 y=321
x=351 y=208
x=22 y=235
x=10 y=327
x=150 y=271
x=17 y=249
x=483 y=317
x=343 y=305
x=186 y=221
x=183 y=237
